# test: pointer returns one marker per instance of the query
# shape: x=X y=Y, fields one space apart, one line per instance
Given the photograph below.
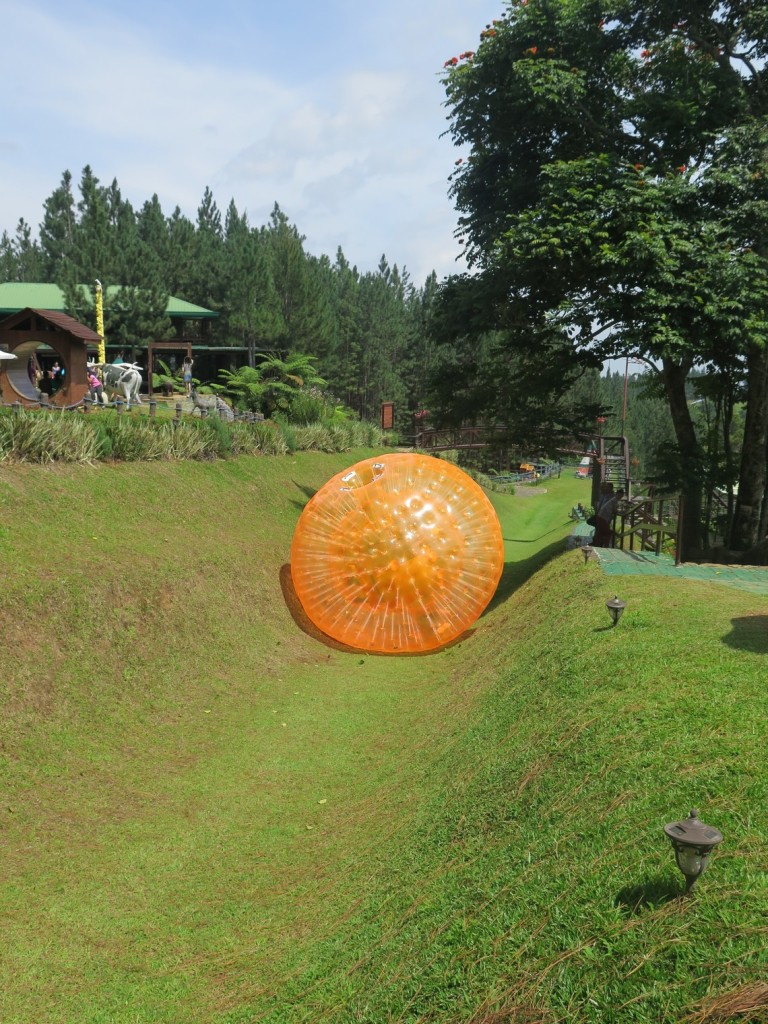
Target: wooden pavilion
x=66 y=339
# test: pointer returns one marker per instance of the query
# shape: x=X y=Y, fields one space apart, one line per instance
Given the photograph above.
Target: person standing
x=95 y=385
x=604 y=517
x=57 y=373
x=186 y=372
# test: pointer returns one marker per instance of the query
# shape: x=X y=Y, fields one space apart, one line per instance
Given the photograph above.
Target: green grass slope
x=211 y=814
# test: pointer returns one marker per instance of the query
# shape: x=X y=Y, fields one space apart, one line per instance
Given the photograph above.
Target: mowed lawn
x=210 y=813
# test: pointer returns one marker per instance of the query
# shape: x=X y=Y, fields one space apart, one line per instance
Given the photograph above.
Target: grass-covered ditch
x=209 y=814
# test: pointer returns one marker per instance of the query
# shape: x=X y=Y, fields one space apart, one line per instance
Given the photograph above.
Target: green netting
x=615 y=562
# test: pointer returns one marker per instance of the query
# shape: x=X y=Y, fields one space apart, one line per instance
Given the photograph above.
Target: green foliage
x=243 y=386
x=47 y=437
x=167 y=380
x=141 y=439
x=334 y=437
x=612 y=152
x=263 y=438
x=288 y=387
x=283 y=379
x=288 y=434
x=364 y=333
x=311 y=405
x=106 y=435
x=218 y=431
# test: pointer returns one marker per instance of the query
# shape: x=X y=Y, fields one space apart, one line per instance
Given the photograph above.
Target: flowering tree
x=612 y=151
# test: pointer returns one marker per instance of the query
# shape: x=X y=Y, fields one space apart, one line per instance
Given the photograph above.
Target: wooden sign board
x=387 y=415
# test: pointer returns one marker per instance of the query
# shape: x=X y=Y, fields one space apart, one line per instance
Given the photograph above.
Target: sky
x=333 y=109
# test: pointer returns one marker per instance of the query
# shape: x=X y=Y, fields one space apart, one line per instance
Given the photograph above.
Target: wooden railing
x=544 y=472
x=434 y=439
x=646 y=523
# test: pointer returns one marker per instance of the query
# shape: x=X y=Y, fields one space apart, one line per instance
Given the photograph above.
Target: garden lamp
x=615 y=607
x=693 y=842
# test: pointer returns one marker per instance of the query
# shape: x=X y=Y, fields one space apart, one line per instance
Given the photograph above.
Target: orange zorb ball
x=397 y=553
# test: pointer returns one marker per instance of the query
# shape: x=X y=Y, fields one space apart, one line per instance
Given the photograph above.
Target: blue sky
x=332 y=109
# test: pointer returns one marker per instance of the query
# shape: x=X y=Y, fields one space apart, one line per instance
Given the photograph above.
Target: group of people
x=606 y=510
x=48 y=381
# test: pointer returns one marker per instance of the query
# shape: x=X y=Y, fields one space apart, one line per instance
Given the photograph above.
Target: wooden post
x=679 y=535
x=17 y=408
x=119 y=406
x=660 y=532
x=152 y=407
x=178 y=412
x=87 y=403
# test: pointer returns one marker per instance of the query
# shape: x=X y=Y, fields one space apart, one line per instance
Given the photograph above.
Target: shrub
x=289 y=434
x=310 y=406
x=261 y=438
x=313 y=437
x=30 y=436
x=219 y=434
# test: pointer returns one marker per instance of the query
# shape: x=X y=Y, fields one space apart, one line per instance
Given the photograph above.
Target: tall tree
x=304 y=304
x=57 y=230
x=591 y=127
x=207 y=270
x=340 y=363
x=252 y=311
x=21 y=258
x=9 y=269
x=179 y=265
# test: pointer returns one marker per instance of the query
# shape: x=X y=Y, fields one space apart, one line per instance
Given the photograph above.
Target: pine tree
x=57 y=230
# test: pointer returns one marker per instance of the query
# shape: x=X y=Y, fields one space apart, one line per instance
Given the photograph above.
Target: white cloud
x=340 y=129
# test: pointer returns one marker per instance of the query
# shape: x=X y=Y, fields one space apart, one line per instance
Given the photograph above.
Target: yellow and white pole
x=102 y=357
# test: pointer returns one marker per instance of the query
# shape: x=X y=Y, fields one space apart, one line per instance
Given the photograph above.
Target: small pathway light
x=615 y=607
x=693 y=842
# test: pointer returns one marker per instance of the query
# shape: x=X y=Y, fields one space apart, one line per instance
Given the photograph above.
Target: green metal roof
x=15 y=296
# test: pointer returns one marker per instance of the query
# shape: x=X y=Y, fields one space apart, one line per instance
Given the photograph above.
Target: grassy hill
x=209 y=813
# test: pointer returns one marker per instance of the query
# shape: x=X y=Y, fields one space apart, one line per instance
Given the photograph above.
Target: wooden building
x=62 y=339
x=42 y=306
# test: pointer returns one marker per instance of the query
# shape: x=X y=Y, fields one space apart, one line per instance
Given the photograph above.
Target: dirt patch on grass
x=529 y=492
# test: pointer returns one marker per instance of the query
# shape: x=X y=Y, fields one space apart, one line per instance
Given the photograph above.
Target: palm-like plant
x=244 y=386
x=284 y=378
x=167 y=380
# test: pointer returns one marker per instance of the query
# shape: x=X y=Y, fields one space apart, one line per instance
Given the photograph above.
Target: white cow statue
x=123 y=380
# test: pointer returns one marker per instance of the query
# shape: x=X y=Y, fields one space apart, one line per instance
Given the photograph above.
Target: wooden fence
x=203 y=407
x=646 y=523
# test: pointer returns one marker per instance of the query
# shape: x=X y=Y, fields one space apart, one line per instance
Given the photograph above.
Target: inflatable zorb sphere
x=399 y=553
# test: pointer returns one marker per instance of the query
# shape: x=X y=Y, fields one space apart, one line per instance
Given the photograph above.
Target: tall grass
x=31 y=436
x=47 y=437
x=263 y=438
